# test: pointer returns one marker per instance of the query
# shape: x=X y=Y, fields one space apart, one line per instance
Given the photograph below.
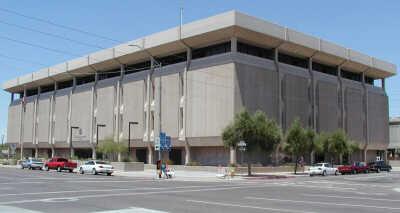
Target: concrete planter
x=128 y=166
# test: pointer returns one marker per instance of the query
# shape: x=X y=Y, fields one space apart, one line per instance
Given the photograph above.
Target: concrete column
x=385 y=152
x=365 y=106
x=232 y=155
x=342 y=123
x=93 y=119
x=70 y=116
x=234 y=44
x=119 y=104
x=279 y=97
x=52 y=119
x=12 y=97
x=53 y=152
x=365 y=155
x=21 y=134
x=312 y=95
x=185 y=95
x=148 y=130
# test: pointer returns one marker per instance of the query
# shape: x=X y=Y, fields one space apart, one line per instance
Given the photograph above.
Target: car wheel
x=70 y=170
x=108 y=174
x=94 y=172
x=336 y=173
x=324 y=173
x=81 y=171
x=58 y=169
x=311 y=175
x=46 y=168
x=29 y=167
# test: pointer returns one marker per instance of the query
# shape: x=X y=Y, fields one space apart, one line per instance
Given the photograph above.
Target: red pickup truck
x=357 y=167
x=60 y=164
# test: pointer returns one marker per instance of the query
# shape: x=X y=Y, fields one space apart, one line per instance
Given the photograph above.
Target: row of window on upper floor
x=202 y=53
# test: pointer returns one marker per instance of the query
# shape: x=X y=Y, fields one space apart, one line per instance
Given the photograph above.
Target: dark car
x=379 y=166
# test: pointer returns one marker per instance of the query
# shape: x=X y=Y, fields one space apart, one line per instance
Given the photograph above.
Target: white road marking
x=245 y=206
x=103 y=190
x=324 y=203
x=351 y=184
x=357 y=198
x=132 y=194
x=134 y=210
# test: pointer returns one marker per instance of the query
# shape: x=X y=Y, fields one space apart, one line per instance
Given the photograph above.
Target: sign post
x=242 y=147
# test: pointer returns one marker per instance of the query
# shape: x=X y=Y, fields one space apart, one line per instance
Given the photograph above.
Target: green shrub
x=5 y=163
x=129 y=159
x=233 y=165
x=193 y=164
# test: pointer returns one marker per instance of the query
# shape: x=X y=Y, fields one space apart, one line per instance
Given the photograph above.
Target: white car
x=323 y=169
x=96 y=167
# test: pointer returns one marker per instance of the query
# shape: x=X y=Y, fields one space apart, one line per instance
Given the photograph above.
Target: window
x=65 y=84
x=173 y=59
x=255 y=51
x=181 y=84
x=324 y=68
x=47 y=88
x=134 y=68
x=369 y=80
x=292 y=60
x=180 y=118
x=152 y=121
x=31 y=92
x=109 y=74
x=211 y=50
x=85 y=79
x=351 y=75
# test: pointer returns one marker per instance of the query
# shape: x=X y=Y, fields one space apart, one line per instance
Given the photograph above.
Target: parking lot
x=41 y=191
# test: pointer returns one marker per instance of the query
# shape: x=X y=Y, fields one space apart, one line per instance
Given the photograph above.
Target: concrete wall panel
x=61 y=118
x=296 y=98
x=43 y=120
x=13 y=130
x=170 y=104
x=105 y=110
x=210 y=93
x=327 y=105
x=133 y=107
x=378 y=120
x=28 y=121
x=354 y=114
x=81 y=116
x=260 y=94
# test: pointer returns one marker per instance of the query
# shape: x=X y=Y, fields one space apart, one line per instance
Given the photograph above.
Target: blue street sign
x=165 y=142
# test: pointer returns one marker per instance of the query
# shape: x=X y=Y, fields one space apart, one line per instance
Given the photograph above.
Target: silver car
x=32 y=163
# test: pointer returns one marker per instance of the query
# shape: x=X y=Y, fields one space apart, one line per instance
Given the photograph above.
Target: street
x=41 y=191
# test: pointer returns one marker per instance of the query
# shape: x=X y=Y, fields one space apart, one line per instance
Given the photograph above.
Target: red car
x=60 y=164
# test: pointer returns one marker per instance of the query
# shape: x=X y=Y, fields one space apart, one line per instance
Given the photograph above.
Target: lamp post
x=159 y=65
x=129 y=135
x=242 y=147
x=70 y=140
x=97 y=132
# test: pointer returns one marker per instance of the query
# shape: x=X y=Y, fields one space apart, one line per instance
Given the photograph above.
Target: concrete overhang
x=203 y=33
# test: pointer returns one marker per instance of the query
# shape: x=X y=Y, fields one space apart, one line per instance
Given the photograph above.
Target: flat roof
x=203 y=33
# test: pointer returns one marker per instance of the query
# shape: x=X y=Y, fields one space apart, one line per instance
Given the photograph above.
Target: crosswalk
x=12 y=209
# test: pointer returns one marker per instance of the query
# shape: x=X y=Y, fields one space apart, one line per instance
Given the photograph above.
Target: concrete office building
x=394 y=139
x=212 y=68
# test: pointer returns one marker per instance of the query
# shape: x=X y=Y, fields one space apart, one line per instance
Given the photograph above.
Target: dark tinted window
x=31 y=92
x=292 y=60
x=351 y=75
x=172 y=59
x=47 y=88
x=85 y=79
x=255 y=51
x=64 y=84
x=133 y=68
x=330 y=70
x=109 y=74
x=211 y=50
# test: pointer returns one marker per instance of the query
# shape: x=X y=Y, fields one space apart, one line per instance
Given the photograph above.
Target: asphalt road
x=41 y=191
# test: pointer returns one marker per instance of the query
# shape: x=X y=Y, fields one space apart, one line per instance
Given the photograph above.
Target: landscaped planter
x=128 y=166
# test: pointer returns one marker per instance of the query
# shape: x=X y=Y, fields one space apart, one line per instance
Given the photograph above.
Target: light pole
x=242 y=147
x=159 y=65
x=70 y=140
x=129 y=135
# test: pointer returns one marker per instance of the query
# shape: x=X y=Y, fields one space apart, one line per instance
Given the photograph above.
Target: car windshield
x=317 y=165
x=100 y=162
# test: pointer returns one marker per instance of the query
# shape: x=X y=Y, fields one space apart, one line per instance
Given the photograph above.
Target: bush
x=233 y=165
x=193 y=164
x=5 y=163
x=129 y=159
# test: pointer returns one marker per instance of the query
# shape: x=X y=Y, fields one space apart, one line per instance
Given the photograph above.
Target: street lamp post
x=70 y=140
x=159 y=65
x=129 y=135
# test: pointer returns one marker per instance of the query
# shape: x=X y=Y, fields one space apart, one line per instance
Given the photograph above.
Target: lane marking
x=245 y=206
x=131 y=194
x=14 y=209
x=357 y=198
x=133 y=210
x=323 y=203
x=352 y=184
x=103 y=190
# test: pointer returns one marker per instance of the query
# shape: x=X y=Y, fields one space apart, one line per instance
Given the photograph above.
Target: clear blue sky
x=371 y=27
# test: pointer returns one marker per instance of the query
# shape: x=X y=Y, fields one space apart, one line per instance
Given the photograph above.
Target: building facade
x=210 y=70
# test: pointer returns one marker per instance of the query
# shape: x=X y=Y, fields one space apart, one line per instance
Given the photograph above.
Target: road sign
x=157 y=143
x=242 y=146
x=165 y=142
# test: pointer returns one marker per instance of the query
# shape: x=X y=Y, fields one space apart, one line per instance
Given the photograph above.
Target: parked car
x=96 y=167
x=323 y=169
x=60 y=164
x=32 y=163
x=347 y=169
x=379 y=166
x=361 y=167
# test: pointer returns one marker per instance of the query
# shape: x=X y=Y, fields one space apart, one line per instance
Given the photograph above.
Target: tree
x=259 y=133
x=109 y=148
x=353 y=147
x=339 y=144
x=297 y=142
x=311 y=141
